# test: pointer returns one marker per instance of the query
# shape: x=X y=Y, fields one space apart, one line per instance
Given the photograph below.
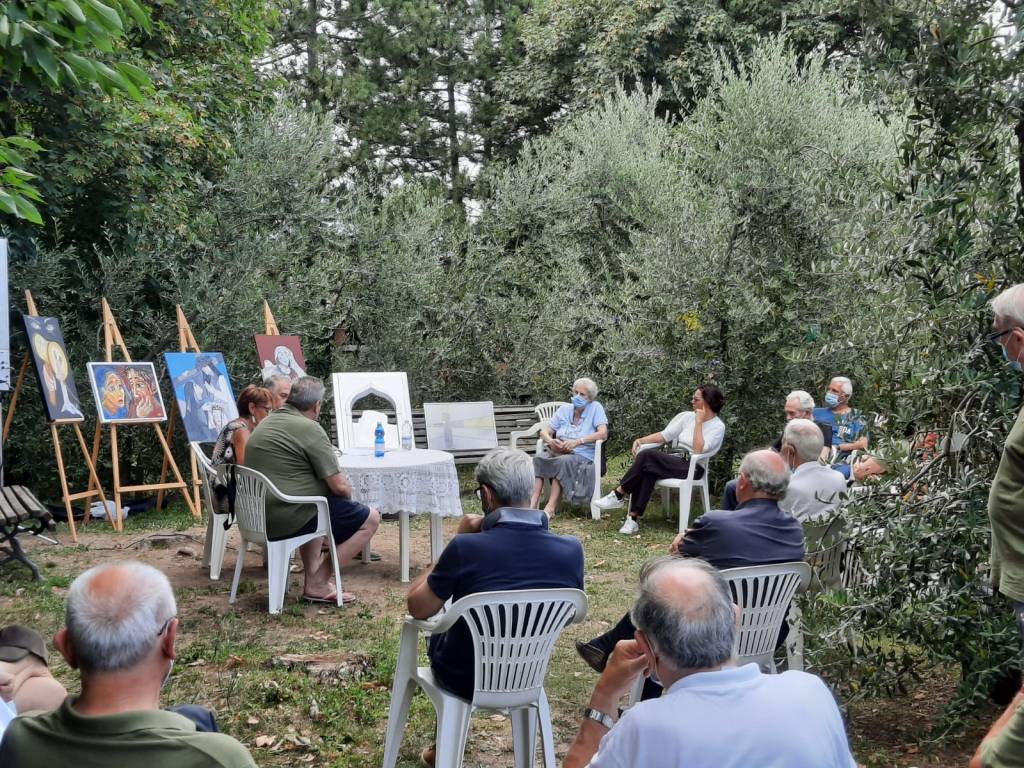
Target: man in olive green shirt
x=1003 y=745
x=1006 y=497
x=295 y=454
x=120 y=634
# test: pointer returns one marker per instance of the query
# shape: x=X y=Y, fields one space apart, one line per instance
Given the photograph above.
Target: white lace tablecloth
x=417 y=481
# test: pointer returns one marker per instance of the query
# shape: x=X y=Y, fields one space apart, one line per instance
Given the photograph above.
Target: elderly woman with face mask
x=848 y=424
x=569 y=439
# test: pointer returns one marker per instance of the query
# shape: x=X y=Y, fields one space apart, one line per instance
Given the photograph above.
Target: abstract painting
x=56 y=382
x=281 y=355
x=202 y=389
x=126 y=393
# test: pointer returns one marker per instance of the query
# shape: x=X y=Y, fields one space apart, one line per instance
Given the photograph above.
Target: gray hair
x=509 y=473
x=114 y=613
x=845 y=383
x=276 y=378
x=306 y=392
x=805 y=436
x=588 y=384
x=763 y=474
x=692 y=631
x=1008 y=306
x=803 y=399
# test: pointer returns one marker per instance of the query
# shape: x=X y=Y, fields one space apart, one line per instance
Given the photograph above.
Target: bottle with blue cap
x=378 y=441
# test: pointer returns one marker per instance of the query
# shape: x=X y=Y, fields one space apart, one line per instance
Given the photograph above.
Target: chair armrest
x=318 y=501
x=516 y=436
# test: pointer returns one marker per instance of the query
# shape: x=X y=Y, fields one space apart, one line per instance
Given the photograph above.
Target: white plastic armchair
x=685 y=486
x=513 y=634
x=216 y=534
x=251 y=491
x=545 y=413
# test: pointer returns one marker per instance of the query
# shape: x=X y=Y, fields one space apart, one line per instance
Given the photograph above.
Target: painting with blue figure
x=202 y=389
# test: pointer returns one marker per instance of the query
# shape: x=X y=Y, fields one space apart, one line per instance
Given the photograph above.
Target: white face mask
x=168 y=675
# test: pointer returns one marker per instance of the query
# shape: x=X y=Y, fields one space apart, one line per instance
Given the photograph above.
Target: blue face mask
x=1014 y=364
x=579 y=401
x=831 y=399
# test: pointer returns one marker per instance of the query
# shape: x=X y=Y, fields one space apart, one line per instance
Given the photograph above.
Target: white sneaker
x=611 y=501
x=630 y=527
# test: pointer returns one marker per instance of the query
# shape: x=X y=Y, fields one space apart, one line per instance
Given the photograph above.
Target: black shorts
x=347 y=517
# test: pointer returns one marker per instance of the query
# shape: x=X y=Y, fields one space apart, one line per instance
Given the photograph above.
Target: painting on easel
x=203 y=393
x=280 y=355
x=126 y=393
x=56 y=382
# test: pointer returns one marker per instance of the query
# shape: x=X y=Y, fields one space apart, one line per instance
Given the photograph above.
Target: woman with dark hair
x=699 y=431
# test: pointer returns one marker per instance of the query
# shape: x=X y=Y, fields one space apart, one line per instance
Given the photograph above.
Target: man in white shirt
x=713 y=713
x=814 y=489
x=699 y=431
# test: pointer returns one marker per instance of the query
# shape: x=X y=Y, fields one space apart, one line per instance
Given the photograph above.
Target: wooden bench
x=21 y=512
x=507 y=419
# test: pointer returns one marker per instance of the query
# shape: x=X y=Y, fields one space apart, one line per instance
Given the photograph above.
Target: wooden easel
x=111 y=338
x=269 y=323
x=94 y=488
x=186 y=343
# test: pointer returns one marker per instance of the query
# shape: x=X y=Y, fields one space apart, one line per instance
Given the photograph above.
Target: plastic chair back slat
x=763 y=594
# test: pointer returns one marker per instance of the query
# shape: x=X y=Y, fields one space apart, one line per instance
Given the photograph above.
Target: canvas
x=126 y=393
x=280 y=355
x=202 y=390
x=460 y=426
x=56 y=382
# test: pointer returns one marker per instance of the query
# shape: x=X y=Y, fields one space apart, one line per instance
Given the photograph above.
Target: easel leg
x=94 y=478
x=119 y=523
x=64 y=483
x=177 y=475
x=163 y=467
x=14 y=397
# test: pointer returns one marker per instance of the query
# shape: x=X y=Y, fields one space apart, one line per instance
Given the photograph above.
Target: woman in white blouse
x=696 y=431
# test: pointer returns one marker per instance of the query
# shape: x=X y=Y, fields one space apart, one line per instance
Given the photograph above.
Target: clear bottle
x=407 y=435
x=378 y=441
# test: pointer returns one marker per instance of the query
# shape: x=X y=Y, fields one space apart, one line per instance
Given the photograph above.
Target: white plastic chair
x=513 y=635
x=349 y=388
x=251 y=491
x=686 y=487
x=545 y=412
x=216 y=535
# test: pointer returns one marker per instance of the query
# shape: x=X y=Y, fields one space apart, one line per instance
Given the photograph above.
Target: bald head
x=115 y=613
x=685 y=609
x=766 y=476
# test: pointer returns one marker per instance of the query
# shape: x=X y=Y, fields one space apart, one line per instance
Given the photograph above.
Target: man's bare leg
x=320 y=570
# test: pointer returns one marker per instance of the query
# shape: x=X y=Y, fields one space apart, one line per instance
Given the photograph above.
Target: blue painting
x=202 y=389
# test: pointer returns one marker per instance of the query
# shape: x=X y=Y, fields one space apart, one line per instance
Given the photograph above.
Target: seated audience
x=254 y=405
x=510 y=547
x=814 y=489
x=279 y=386
x=570 y=439
x=292 y=450
x=26 y=683
x=798 y=405
x=757 y=532
x=713 y=713
x=849 y=427
x=1003 y=745
x=697 y=431
x=121 y=628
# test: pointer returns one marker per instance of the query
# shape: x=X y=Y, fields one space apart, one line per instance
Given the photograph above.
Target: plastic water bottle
x=407 y=435
x=378 y=441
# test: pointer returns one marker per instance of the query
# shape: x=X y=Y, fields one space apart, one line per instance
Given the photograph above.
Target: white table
x=407 y=483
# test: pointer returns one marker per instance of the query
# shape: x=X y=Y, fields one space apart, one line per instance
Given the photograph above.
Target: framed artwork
x=460 y=426
x=126 y=393
x=56 y=382
x=202 y=390
x=280 y=355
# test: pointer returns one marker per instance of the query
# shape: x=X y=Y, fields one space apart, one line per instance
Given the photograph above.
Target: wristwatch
x=598 y=716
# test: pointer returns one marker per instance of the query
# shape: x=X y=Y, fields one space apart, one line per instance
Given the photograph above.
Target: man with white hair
x=757 y=532
x=120 y=630
x=848 y=424
x=293 y=451
x=1006 y=496
x=712 y=713
x=510 y=547
x=280 y=387
x=814 y=489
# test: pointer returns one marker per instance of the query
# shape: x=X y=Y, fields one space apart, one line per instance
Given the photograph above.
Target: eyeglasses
x=479 y=491
x=999 y=334
x=166 y=624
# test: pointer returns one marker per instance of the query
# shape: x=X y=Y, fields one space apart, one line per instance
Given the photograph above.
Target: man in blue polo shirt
x=510 y=547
